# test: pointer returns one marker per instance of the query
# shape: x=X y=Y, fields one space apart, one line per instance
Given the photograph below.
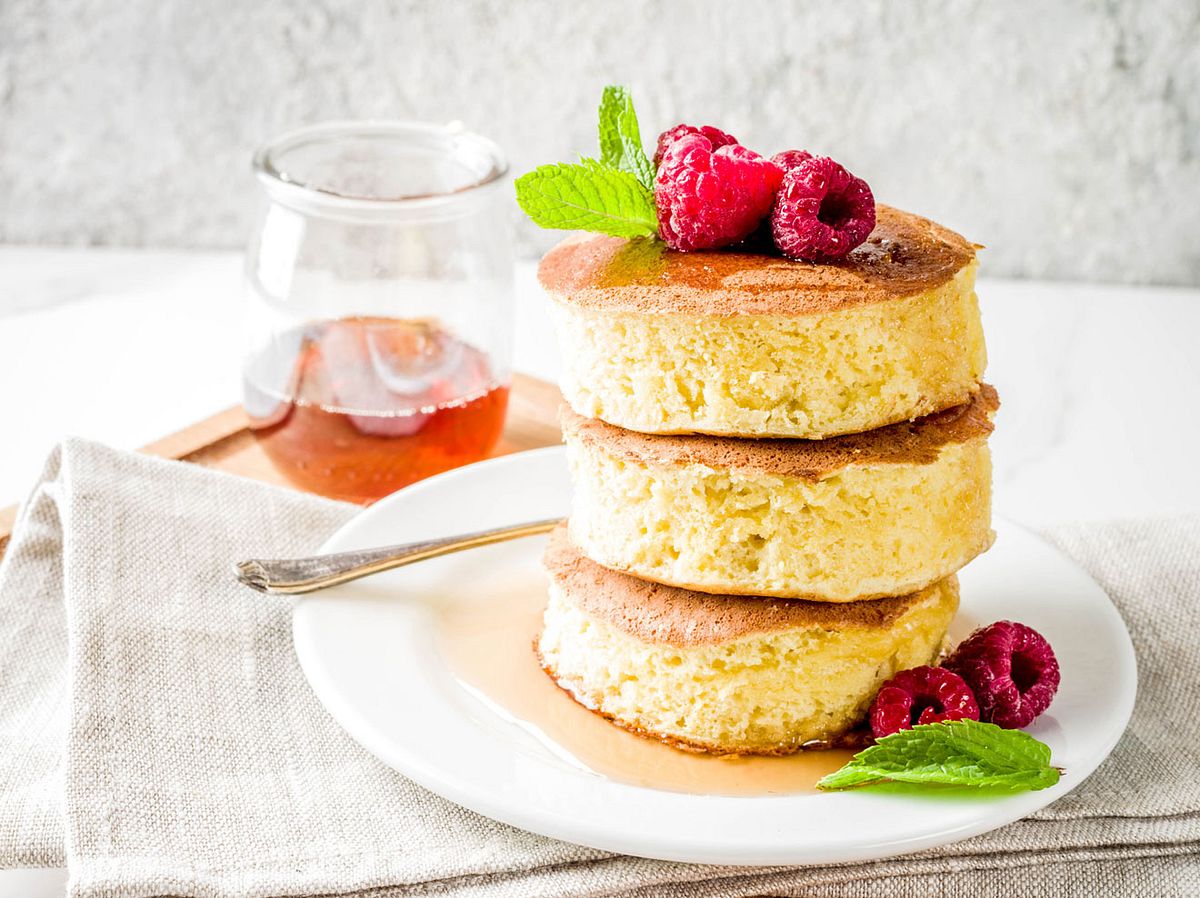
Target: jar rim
x=459 y=143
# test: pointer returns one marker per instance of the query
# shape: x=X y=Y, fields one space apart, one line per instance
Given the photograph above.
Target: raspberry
x=716 y=137
x=821 y=211
x=789 y=159
x=921 y=695
x=1012 y=669
x=710 y=198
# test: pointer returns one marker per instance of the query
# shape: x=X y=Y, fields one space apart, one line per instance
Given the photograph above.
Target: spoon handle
x=294 y=576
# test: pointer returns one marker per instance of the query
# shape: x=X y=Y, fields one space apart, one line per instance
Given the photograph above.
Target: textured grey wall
x=1065 y=136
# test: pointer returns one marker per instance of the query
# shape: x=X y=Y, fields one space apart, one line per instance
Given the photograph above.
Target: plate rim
x=554 y=824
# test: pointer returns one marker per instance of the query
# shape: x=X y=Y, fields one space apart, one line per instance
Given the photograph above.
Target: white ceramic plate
x=369 y=651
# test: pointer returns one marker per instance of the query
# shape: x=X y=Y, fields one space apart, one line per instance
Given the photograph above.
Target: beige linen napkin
x=157 y=736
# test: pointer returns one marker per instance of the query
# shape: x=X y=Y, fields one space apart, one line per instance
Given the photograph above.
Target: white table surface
x=127 y=346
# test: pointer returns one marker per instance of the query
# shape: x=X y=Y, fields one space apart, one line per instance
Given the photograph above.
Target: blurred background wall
x=1065 y=136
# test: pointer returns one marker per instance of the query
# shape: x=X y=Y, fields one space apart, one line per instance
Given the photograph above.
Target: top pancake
x=905 y=255
x=916 y=442
x=655 y=613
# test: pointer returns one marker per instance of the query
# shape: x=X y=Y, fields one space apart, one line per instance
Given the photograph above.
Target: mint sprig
x=587 y=197
x=956 y=753
x=620 y=138
x=613 y=195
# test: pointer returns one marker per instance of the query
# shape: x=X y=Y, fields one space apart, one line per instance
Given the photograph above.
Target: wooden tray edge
x=532 y=422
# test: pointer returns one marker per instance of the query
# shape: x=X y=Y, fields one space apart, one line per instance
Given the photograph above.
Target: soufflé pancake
x=727 y=674
x=854 y=517
x=754 y=345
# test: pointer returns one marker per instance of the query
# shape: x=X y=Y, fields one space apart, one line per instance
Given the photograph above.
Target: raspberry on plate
x=921 y=695
x=822 y=211
x=1012 y=670
x=716 y=137
x=708 y=198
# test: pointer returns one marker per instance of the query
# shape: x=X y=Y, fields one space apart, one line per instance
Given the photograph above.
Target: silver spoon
x=294 y=576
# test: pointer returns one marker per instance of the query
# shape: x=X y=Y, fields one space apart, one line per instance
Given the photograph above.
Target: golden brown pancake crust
x=654 y=613
x=904 y=255
x=910 y=442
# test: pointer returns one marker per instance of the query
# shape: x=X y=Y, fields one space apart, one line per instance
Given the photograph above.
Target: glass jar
x=379 y=294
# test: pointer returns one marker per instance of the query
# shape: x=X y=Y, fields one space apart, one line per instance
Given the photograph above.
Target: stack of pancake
x=778 y=469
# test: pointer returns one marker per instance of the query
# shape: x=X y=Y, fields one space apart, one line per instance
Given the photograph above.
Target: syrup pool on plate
x=488 y=645
x=356 y=408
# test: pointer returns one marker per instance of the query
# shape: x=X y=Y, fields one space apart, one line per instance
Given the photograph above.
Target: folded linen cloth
x=158 y=738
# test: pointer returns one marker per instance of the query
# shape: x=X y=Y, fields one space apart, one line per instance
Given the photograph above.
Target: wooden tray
x=225 y=442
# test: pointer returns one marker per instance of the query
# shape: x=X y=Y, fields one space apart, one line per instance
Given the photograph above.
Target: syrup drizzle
x=487 y=643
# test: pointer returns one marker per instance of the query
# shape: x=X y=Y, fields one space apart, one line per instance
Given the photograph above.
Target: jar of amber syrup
x=379 y=295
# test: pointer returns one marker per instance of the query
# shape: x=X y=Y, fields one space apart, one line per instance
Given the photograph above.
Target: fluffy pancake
x=745 y=344
x=727 y=674
x=855 y=517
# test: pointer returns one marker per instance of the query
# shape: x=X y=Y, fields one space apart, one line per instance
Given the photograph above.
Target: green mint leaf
x=612 y=102
x=957 y=753
x=588 y=197
x=620 y=138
